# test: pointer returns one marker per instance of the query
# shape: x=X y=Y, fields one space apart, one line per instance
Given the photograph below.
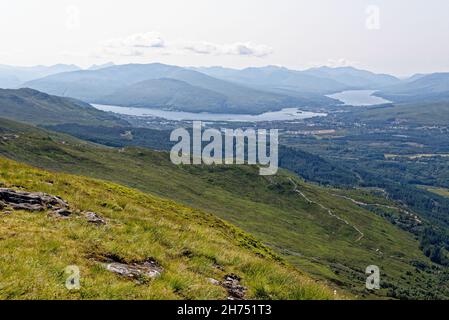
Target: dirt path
x=363 y=204
x=329 y=211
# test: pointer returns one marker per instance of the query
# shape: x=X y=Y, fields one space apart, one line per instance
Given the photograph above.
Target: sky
x=400 y=37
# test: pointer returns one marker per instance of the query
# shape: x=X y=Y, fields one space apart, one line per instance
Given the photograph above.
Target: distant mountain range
x=101 y=66
x=421 y=88
x=218 y=89
x=12 y=77
x=355 y=78
x=276 y=79
x=171 y=87
x=323 y=80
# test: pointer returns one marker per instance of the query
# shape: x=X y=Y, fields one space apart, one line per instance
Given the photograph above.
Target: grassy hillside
x=35 y=107
x=305 y=164
x=444 y=192
x=189 y=245
x=430 y=114
x=314 y=228
x=168 y=93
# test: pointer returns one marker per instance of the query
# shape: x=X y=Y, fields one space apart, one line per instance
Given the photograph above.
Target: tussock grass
x=303 y=233
x=189 y=244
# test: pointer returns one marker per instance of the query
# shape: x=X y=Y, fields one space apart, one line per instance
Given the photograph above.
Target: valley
x=305 y=230
x=362 y=181
x=224 y=159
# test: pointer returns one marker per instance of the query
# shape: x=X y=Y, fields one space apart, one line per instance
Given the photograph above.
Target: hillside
x=416 y=113
x=316 y=229
x=188 y=247
x=110 y=85
x=423 y=88
x=305 y=164
x=169 y=94
x=35 y=107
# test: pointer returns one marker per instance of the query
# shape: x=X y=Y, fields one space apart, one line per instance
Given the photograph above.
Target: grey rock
x=64 y=212
x=93 y=217
x=235 y=290
x=28 y=206
x=232 y=285
x=138 y=272
x=31 y=201
x=213 y=281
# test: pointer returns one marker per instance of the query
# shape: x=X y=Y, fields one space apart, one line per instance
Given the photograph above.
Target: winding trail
x=329 y=211
x=363 y=204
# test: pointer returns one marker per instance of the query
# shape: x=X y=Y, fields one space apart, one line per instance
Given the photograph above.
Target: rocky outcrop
x=31 y=201
x=232 y=285
x=7 y=137
x=138 y=271
x=235 y=290
x=93 y=217
x=39 y=201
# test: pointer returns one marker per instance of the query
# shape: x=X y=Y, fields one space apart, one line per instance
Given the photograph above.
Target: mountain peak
x=101 y=66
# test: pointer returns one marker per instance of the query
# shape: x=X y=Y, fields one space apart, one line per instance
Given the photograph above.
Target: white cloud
x=200 y=47
x=239 y=49
x=342 y=62
x=142 y=44
x=133 y=45
x=138 y=40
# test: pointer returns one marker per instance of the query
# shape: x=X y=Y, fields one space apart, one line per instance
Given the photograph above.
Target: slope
x=169 y=94
x=410 y=113
x=426 y=88
x=35 y=107
x=190 y=247
x=319 y=233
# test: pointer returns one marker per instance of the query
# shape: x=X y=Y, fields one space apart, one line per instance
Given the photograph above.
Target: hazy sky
x=395 y=36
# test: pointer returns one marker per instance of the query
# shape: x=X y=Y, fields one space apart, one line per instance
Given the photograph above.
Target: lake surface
x=281 y=115
x=358 y=98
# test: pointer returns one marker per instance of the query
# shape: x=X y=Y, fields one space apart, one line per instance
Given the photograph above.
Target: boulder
x=235 y=290
x=93 y=217
x=138 y=271
x=232 y=285
x=31 y=201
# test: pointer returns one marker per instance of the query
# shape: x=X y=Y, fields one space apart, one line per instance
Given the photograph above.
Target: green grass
x=35 y=107
x=430 y=114
x=439 y=191
x=266 y=207
x=36 y=248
